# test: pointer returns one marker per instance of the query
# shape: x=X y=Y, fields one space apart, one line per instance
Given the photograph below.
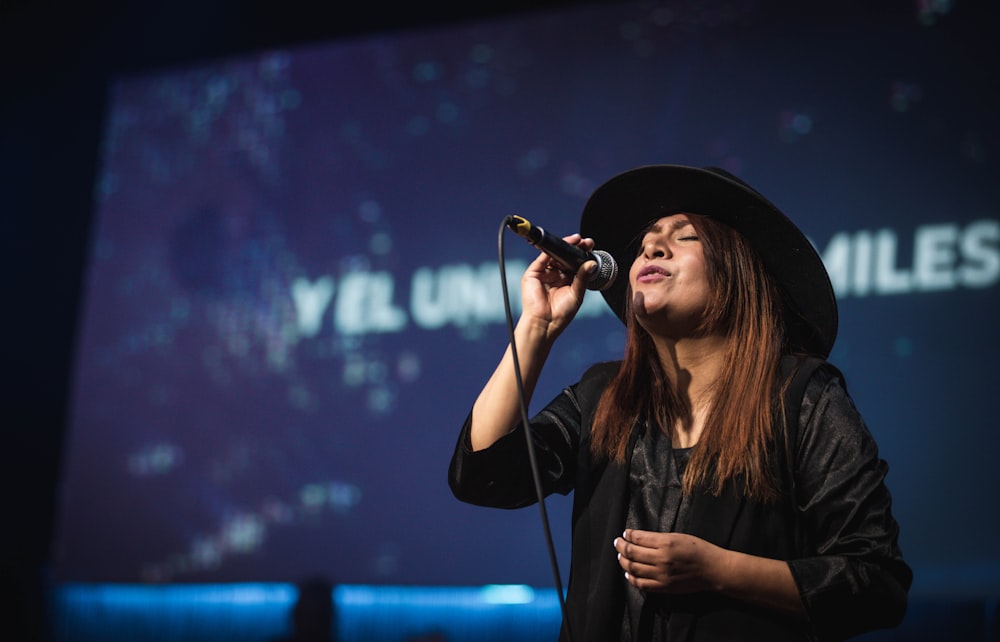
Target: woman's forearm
x=760 y=581
x=497 y=408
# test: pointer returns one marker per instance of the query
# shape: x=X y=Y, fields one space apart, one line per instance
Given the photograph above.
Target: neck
x=693 y=365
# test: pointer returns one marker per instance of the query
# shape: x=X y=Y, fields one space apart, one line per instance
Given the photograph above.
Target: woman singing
x=725 y=486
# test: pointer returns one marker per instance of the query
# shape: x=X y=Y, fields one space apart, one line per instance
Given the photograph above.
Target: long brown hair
x=746 y=309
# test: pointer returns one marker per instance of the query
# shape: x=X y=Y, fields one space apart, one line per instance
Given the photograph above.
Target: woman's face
x=670 y=288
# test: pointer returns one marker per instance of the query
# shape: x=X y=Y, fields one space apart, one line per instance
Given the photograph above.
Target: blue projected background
x=293 y=297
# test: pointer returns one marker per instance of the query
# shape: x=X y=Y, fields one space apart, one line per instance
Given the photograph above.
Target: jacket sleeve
x=853 y=577
x=500 y=476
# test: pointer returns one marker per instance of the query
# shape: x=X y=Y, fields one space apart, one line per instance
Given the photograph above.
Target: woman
x=725 y=487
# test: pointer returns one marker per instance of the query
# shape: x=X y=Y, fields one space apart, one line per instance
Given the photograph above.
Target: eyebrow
x=656 y=228
x=674 y=225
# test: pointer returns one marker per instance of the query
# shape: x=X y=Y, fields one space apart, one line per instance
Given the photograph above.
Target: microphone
x=570 y=257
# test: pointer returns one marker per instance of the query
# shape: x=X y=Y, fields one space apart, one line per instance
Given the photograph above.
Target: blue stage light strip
x=91 y=612
x=487 y=614
x=258 y=612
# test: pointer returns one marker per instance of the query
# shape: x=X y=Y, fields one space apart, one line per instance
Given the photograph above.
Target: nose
x=655 y=249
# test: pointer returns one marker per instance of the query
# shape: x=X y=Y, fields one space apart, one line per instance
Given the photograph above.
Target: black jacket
x=838 y=534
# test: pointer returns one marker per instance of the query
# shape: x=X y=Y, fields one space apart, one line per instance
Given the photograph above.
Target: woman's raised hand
x=550 y=296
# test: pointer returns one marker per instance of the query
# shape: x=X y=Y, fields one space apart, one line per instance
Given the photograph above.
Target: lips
x=651 y=271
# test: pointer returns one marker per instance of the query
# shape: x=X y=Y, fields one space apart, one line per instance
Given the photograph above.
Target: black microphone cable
x=527 y=433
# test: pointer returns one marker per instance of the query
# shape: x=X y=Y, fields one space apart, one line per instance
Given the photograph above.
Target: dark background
x=56 y=60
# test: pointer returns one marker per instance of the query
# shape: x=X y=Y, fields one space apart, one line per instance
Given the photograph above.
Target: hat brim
x=623 y=206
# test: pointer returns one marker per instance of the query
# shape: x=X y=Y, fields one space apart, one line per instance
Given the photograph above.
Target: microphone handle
x=570 y=257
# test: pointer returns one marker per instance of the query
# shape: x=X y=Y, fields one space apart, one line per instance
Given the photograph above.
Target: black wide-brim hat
x=620 y=210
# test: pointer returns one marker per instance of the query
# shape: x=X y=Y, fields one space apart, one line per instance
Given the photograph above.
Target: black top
x=655 y=476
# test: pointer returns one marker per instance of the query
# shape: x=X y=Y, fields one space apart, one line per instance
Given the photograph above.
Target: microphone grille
x=605 y=274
